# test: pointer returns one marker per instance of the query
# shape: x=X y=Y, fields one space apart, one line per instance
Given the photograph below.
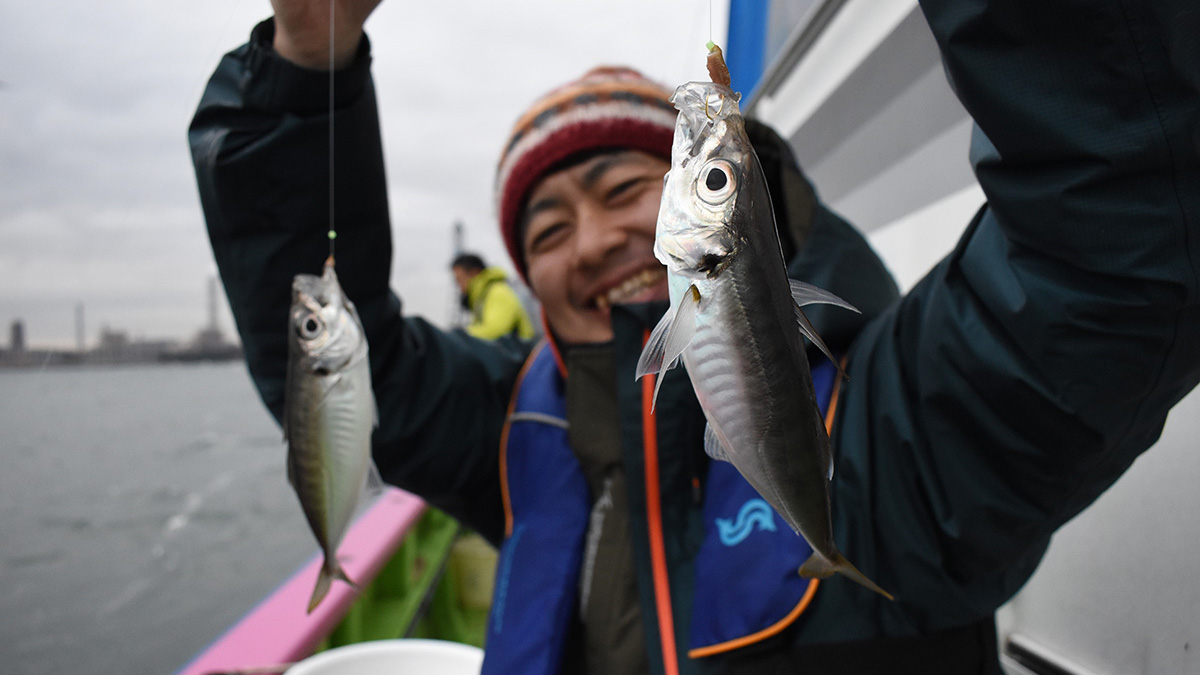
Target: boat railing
x=279 y=632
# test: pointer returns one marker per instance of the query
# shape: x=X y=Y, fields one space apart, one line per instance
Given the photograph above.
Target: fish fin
x=819 y=567
x=683 y=329
x=325 y=581
x=713 y=445
x=810 y=332
x=375 y=483
x=329 y=384
x=340 y=575
x=807 y=294
x=677 y=333
x=371 y=488
x=651 y=360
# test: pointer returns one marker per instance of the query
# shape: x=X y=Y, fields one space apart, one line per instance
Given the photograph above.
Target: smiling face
x=588 y=240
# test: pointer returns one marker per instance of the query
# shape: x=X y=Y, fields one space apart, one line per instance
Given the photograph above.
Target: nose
x=598 y=235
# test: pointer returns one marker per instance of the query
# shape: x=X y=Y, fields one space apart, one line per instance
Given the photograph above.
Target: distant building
x=209 y=344
x=80 y=339
x=117 y=347
x=112 y=340
x=16 y=341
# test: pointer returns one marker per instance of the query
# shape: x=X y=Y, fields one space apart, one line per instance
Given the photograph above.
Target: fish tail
x=340 y=574
x=820 y=567
x=325 y=581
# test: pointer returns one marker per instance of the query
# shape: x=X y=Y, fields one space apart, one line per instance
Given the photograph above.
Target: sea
x=143 y=510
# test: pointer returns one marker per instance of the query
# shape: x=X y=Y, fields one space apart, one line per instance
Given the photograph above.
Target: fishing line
x=333 y=233
x=695 y=34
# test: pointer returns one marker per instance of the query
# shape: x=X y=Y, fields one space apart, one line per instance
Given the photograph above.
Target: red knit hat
x=609 y=107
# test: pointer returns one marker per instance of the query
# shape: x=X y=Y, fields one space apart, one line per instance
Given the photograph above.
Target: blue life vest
x=746 y=583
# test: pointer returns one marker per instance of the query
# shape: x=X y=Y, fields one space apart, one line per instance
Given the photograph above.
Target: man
x=495 y=309
x=984 y=409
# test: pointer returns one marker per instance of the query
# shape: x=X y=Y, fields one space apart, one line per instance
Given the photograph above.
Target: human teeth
x=629 y=288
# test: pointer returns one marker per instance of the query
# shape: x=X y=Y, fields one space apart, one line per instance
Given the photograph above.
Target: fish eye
x=717 y=182
x=310 y=327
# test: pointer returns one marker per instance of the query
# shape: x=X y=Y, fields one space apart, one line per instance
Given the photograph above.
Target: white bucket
x=394 y=657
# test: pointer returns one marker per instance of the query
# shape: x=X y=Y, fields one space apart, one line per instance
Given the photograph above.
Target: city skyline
x=89 y=334
x=98 y=203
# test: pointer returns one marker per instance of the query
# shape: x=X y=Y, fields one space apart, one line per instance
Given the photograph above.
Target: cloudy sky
x=98 y=203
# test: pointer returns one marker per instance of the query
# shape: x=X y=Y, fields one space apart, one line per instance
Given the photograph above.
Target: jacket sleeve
x=1034 y=364
x=260 y=144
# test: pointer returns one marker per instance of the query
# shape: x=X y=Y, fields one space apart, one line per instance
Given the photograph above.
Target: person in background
x=495 y=309
x=985 y=408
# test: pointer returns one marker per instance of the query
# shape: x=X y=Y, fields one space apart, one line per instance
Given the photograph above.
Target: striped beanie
x=609 y=107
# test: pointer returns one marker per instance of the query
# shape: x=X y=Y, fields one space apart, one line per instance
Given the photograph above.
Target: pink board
x=278 y=631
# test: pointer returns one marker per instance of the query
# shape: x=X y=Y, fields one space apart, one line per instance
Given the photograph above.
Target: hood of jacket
x=475 y=288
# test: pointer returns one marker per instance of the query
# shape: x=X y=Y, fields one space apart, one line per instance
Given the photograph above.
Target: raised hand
x=302 y=30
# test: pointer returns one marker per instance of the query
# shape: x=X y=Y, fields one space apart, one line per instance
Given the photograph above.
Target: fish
x=329 y=415
x=736 y=321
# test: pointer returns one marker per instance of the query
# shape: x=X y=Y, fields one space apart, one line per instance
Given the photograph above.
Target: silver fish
x=735 y=320
x=329 y=414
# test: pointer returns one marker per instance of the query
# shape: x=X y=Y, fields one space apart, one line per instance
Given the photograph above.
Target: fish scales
x=777 y=406
x=325 y=453
x=736 y=321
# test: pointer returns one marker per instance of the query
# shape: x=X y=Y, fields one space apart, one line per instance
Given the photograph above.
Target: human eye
x=623 y=188
x=545 y=234
x=629 y=188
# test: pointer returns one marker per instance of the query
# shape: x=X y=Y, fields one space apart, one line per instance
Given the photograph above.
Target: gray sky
x=98 y=202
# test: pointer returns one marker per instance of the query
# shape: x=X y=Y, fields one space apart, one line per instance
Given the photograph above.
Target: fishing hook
x=720 y=110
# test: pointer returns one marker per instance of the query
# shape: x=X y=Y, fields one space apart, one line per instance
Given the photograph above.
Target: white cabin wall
x=1118 y=591
x=878 y=131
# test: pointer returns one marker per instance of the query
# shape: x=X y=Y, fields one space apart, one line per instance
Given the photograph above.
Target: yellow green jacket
x=496 y=310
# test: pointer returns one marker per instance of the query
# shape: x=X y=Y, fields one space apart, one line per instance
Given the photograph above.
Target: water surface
x=143 y=509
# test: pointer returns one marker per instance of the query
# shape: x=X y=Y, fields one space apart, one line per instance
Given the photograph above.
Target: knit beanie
x=609 y=107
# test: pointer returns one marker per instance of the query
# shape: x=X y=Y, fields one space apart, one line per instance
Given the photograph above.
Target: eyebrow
x=601 y=167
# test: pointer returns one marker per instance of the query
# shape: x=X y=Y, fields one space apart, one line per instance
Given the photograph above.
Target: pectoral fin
x=669 y=338
x=651 y=360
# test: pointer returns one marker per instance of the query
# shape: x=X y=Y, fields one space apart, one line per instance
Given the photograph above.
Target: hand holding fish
x=302 y=33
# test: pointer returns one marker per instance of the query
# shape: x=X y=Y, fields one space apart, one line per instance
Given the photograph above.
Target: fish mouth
x=314 y=292
x=646 y=284
x=703 y=106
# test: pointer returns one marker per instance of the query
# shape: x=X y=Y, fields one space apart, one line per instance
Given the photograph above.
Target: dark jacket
x=987 y=407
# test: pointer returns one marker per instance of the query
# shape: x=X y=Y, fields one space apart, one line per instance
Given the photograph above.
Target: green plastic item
x=437 y=585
